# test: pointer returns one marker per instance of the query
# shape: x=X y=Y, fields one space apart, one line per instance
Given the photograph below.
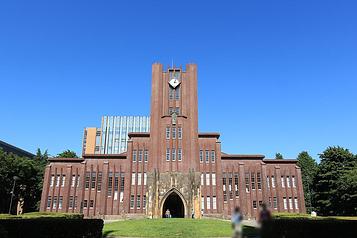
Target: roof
x=15 y=150
x=105 y=156
x=208 y=135
x=55 y=159
x=280 y=161
x=139 y=134
x=241 y=156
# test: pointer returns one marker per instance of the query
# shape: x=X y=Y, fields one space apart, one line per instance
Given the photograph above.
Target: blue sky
x=274 y=76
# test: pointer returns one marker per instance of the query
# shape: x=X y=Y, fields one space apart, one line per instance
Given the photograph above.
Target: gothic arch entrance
x=174 y=203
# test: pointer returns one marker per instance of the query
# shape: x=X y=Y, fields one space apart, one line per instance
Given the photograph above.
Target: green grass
x=33 y=215
x=170 y=228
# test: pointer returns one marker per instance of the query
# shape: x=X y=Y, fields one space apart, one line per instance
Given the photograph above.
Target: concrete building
x=172 y=166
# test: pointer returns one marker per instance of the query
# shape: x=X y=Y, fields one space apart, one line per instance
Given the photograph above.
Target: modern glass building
x=112 y=136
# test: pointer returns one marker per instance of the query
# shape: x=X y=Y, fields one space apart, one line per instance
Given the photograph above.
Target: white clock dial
x=174 y=82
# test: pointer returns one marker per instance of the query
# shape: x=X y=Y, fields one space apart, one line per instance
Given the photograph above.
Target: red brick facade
x=173 y=167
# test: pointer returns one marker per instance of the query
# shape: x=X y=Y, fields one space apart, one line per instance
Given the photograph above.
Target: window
x=255 y=204
x=138 y=201
x=54 y=204
x=139 y=178
x=132 y=201
x=173 y=154
x=133 y=178
x=272 y=181
x=171 y=93
x=140 y=155
x=288 y=181
x=144 y=202
x=180 y=133
x=145 y=178
x=58 y=180
x=290 y=203
x=282 y=182
x=87 y=179
x=85 y=203
x=168 y=132
x=70 y=203
x=78 y=179
x=285 y=203
x=170 y=110
x=146 y=155
x=179 y=154
x=134 y=156
x=268 y=182
x=168 y=154
x=75 y=201
x=213 y=156
x=73 y=182
x=296 y=203
x=207 y=179
x=202 y=203
x=110 y=183
x=177 y=93
x=116 y=183
x=224 y=181
x=91 y=203
x=99 y=186
x=202 y=179
x=294 y=182
x=63 y=180
x=201 y=156
x=177 y=110
x=94 y=175
x=259 y=181
x=174 y=133
x=213 y=179
x=208 y=203
x=252 y=178
x=270 y=202
x=52 y=180
x=207 y=156
x=260 y=203
x=230 y=185
x=236 y=184
x=48 y=201
x=247 y=182
x=275 y=203
x=214 y=203
x=122 y=182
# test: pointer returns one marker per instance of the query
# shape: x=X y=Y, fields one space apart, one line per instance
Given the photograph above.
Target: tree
x=279 y=156
x=330 y=198
x=67 y=154
x=309 y=169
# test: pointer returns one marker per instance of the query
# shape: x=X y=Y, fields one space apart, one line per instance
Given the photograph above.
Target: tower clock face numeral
x=174 y=82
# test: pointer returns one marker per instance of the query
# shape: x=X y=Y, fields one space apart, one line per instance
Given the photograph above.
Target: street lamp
x=12 y=192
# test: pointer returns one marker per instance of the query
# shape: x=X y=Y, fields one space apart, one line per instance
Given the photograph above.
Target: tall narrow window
x=132 y=201
x=54 y=204
x=174 y=133
x=259 y=181
x=202 y=179
x=252 y=178
x=116 y=183
x=73 y=182
x=110 y=183
x=144 y=201
x=99 y=186
x=214 y=203
x=282 y=182
x=255 y=204
x=270 y=204
x=208 y=203
x=201 y=156
x=224 y=181
x=275 y=203
x=177 y=93
x=138 y=201
x=63 y=180
x=48 y=201
x=202 y=203
x=145 y=178
x=290 y=203
x=75 y=201
x=296 y=203
x=272 y=181
x=139 y=178
x=52 y=180
x=134 y=156
x=207 y=179
x=268 y=182
x=167 y=154
x=146 y=155
x=133 y=177
x=247 y=182
x=171 y=93
x=93 y=180
x=285 y=203
x=179 y=154
x=58 y=180
x=173 y=154
x=91 y=203
x=122 y=182
x=207 y=156
x=167 y=132
x=294 y=182
x=180 y=133
x=213 y=179
x=70 y=203
x=87 y=179
x=213 y=156
x=230 y=184
x=288 y=181
x=236 y=184
x=140 y=155
x=85 y=203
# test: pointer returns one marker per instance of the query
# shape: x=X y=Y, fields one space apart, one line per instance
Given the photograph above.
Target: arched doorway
x=175 y=205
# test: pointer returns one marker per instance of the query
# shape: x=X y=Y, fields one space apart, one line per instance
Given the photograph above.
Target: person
x=167 y=214
x=236 y=220
x=193 y=214
x=264 y=214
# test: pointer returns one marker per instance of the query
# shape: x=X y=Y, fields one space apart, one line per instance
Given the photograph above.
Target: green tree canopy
x=67 y=154
x=279 y=156
x=309 y=169
x=334 y=168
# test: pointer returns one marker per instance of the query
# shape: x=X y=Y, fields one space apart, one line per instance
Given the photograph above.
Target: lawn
x=169 y=228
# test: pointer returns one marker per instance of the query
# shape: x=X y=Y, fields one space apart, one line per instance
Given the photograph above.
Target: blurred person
x=237 y=226
x=264 y=214
x=167 y=214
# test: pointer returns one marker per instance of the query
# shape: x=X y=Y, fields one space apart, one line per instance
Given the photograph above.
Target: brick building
x=173 y=166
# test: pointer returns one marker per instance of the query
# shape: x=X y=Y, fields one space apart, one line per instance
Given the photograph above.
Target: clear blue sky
x=274 y=76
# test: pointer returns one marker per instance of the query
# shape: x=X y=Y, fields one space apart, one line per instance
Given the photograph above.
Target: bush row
x=307 y=228
x=54 y=227
x=32 y=215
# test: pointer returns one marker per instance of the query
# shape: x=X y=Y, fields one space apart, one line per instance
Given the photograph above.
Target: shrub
x=33 y=215
x=305 y=227
x=45 y=227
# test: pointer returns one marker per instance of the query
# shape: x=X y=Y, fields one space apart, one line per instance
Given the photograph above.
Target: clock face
x=174 y=82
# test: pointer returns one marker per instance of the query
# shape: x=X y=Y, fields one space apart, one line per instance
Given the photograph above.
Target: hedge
x=32 y=215
x=307 y=228
x=45 y=227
